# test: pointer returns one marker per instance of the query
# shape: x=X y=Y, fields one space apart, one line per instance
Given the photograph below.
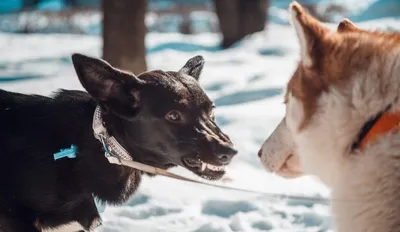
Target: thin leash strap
x=162 y=172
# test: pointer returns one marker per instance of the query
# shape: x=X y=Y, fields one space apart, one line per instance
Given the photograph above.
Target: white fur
x=277 y=148
x=70 y=227
x=305 y=57
x=73 y=227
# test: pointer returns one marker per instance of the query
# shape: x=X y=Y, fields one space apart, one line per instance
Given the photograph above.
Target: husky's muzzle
x=277 y=153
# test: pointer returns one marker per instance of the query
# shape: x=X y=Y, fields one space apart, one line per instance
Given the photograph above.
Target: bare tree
x=29 y=4
x=239 y=18
x=124 y=33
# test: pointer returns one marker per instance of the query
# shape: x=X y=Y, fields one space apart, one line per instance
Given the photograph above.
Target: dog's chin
x=204 y=170
x=288 y=174
x=290 y=169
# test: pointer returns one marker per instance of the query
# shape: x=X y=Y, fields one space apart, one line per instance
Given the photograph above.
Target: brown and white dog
x=342 y=121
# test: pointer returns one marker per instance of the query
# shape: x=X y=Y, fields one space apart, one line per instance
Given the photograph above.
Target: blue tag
x=69 y=152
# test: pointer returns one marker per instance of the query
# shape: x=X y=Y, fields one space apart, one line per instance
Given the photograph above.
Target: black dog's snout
x=222 y=147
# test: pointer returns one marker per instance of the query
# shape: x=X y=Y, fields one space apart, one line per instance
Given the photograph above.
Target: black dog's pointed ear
x=193 y=67
x=114 y=90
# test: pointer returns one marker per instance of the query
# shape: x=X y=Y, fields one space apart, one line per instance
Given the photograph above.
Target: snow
x=247 y=85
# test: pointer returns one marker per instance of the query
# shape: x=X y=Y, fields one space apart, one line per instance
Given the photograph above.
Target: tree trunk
x=239 y=18
x=124 y=33
x=29 y=4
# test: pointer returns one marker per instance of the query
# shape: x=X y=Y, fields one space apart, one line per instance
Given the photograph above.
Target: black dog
x=161 y=118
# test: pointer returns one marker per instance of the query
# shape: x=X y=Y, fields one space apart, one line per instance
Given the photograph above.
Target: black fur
x=139 y=111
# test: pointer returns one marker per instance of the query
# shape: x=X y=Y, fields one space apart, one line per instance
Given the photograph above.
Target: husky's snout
x=277 y=153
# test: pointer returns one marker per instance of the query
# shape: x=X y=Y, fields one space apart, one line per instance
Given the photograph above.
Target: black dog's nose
x=225 y=153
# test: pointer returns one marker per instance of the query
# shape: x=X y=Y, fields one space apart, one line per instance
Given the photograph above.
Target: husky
x=342 y=121
x=159 y=118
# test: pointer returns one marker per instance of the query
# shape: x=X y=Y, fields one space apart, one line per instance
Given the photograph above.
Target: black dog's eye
x=212 y=114
x=174 y=116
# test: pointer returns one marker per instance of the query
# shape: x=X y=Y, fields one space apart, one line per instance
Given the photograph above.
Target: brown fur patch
x=335 y=57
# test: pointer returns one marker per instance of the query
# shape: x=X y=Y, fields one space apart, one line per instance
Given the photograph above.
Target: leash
x=162 y=172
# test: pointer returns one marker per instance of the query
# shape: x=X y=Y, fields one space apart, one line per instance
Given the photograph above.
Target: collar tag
x=69 y=153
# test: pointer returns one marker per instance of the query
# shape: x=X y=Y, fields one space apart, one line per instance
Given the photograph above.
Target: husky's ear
x=114 y=90
x=193 y=67
x=347 y=26
x=310 y=33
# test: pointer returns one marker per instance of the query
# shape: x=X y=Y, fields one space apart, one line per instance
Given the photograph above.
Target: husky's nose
x=224 y=153
x=259 y=153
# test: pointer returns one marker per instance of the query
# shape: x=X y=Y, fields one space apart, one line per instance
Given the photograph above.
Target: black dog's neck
x=139 y=153
x=109 y=182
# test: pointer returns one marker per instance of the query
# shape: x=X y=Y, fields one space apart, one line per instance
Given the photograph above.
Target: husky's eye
x=174 y=116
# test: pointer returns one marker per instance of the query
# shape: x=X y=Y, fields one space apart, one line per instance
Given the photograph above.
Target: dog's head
x=163 y=118
x=344 y=78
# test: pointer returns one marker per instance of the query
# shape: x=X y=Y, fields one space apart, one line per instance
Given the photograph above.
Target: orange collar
x=384 y=123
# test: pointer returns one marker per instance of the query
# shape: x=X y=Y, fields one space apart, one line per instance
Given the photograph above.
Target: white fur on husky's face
x=324 y=143
x=344 y=78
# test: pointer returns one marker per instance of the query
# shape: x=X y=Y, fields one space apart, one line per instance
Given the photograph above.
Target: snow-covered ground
x=246 y=84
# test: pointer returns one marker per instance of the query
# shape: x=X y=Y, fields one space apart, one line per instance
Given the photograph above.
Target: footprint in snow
x=263 y=225
x=146 y=212
x=227 y=208
x=138 y=199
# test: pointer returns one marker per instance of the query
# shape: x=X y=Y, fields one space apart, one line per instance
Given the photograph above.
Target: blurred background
x=235 y=19
x=250 y=51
